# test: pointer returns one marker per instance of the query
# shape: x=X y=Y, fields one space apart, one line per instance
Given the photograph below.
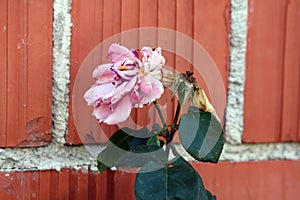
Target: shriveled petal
x=166 y=76
x=157 y=58
x=201 y=101
x=135 y=52
x=118 y=53
x=157 y=74
x=102 y=112
x=146 y=53
x=146 y=84
x=152 y=58
x=89 y=96
x=124 y=89
x=155 y=92
x=120 y=111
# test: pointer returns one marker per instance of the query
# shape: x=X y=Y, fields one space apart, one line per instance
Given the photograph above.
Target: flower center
x=124 y=67
x=141 y=72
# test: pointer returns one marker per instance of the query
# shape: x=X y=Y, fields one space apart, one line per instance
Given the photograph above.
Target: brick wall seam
x=236 y=80
x=58 y=157
x=61 y=72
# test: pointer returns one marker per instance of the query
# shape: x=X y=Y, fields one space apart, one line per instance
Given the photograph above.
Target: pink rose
x=125 y=83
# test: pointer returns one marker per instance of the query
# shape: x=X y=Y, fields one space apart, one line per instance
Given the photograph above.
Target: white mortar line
x=261 y=152
x=53 y=156
x=60 y=157
x=61 y=72
x=235 y=99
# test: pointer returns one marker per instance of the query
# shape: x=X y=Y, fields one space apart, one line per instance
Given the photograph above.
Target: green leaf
x=108 y=157
x=201 y=135
x=118 y=145
x=141 y=155
x=128 y=148
x=206 y=195
x=140 y=137
x=176 y=181
x=153 y=140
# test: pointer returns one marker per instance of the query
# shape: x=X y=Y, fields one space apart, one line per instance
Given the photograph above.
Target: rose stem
x=160 y=113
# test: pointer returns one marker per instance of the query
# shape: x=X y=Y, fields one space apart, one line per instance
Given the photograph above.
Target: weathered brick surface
x=25 y=73
x=268 y=180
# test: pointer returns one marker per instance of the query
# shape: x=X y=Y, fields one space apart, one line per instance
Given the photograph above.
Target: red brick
x=266 y=180
x=26 y=73
x=272 y=89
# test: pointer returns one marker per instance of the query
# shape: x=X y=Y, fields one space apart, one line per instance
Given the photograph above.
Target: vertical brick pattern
x=264 y=180
x=268 y=180
x=25 y=82
x=272 y=110
x=66 y=184
x=3 y=69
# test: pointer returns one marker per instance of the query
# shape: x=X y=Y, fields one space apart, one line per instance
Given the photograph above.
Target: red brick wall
x=272 y=92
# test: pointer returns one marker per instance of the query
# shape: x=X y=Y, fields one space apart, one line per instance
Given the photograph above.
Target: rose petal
x=102 y=112
x=123 y=89
x=157 y=58
x=135 y=96
x=135 y=52
x=97 y=73
x=89 y=96
x=152 y=59
x=120 y=111
x=104 y=91
x=146 y=85
x=134 y=62
x=155 y=92
x=127 y=74
x=118 y=53
x=103 y=73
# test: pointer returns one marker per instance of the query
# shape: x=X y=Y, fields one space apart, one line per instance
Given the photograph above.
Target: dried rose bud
x=201 y=101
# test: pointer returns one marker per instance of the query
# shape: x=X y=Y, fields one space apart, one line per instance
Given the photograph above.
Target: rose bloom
x=125 y=83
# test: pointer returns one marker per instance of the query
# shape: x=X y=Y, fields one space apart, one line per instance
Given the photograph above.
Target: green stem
x=174 y=127
x=170 y=134
x=160 y=113
x=177 y=113
x=168 y=147
x=166 y=135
